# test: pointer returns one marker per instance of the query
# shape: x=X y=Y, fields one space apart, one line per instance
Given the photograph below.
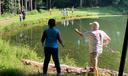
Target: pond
x=76 y=51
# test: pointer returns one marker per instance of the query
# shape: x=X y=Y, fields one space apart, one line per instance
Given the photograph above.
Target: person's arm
x=107 y=40
x=60 y=39
x=43 y=37
x=79 y=32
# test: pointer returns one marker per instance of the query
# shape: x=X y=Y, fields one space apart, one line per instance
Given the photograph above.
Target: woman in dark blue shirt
x=51 y=36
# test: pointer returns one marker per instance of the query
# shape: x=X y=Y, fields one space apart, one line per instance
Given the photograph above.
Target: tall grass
x=10 y=58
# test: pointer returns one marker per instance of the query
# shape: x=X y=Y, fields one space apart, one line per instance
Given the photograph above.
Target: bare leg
x=94 y=63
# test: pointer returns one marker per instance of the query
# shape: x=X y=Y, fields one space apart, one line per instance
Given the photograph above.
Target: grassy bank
x=10 y=58
x=57 y=14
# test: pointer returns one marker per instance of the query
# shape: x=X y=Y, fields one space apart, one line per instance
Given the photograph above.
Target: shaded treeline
x=13 y=6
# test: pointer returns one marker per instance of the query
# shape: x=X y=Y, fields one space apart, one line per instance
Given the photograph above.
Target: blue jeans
x=48 y=51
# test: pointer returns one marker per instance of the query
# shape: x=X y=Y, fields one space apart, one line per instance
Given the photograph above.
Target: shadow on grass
x=17 y=72
x=11 y=72
x=66 y=74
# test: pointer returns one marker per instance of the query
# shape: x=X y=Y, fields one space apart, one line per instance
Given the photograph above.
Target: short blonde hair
x=96 y=24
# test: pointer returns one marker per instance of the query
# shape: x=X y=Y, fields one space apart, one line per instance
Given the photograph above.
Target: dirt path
x=7 y=21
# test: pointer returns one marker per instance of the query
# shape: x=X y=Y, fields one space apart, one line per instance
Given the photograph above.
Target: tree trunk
x=49 y=4
x=0 y=7
x=19 y=5
x=35 y=5
x=11 y=5
x=26 y=6
x=30 y=3
x=15 y=6
x=97 y=2
x=81 y=3
x=22 y=3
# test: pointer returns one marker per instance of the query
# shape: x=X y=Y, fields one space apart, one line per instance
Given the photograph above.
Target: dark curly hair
x=51 y=23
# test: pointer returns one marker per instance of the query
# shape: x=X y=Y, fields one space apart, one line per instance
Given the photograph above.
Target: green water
x=76 y=51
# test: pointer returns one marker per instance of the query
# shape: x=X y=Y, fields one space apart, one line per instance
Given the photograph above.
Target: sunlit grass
x=11 y=56
x=56 y=13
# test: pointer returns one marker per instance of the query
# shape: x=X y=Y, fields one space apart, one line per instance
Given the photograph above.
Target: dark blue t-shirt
x=51 y=37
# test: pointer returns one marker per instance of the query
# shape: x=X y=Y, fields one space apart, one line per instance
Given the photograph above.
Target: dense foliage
x=13 y=6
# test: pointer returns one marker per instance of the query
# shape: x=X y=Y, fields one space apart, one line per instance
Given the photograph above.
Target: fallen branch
x=69 y=69
x=51 y=67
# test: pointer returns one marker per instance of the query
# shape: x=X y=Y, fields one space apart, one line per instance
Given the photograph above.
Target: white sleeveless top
x=96 y=39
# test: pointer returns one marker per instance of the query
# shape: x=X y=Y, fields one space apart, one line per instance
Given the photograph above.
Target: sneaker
x=45 y=75
x=91 y=69
x=60 y=74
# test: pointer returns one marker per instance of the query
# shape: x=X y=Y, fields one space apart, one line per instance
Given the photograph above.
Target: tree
x=26 y=5
x=81 y=3
x=6 y=6
x=96 y=2
x=13 y=5
x=22 y=3
x=49 y=4
x=30 y=4
x=35 y=4
x=0 y=7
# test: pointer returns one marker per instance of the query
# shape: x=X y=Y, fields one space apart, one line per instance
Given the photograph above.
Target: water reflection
x=118 y=33
x=66 y=22
x=78 y=42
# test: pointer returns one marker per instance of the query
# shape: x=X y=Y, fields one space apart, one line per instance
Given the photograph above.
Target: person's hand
x=62 y=45
x=104 y=46
x=112 y=51
x=76 y=30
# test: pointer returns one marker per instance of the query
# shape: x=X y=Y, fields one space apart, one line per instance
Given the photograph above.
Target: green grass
x=10 y=58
